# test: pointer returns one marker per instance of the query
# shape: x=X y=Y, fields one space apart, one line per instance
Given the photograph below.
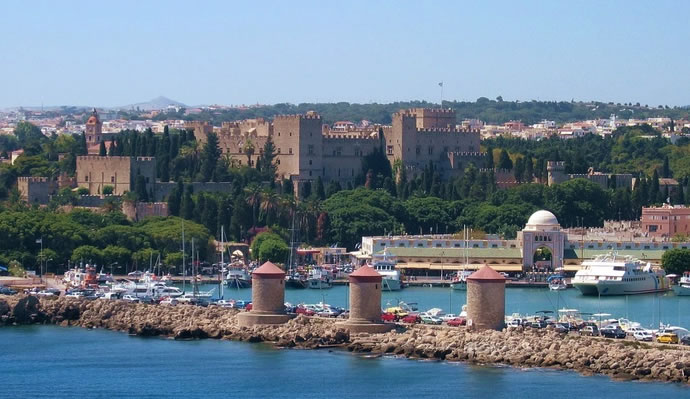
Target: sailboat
x=459 y=281
x=293 y=279
x=236 y=274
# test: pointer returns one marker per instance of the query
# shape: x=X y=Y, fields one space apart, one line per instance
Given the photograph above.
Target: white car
x=130 y=298
x=169 y=301
x=633 y=330
x=643 y=336
x=449 y=316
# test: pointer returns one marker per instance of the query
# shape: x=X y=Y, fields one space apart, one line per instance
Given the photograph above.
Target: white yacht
x=148 y=286
x=611 y=274
x=385 y=265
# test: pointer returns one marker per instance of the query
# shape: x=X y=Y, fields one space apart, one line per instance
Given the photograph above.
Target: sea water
x=58 y=362
x=647 y=309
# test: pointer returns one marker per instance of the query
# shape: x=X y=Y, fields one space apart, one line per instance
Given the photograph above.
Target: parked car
x=685 y=340
x=613 y=331
x=387 y=316
x=590 y=330
x=169 y=301
x=448 y=317
x=49 y=292
x=538 y=324
x=327 y=313
x=7 y=290
x=429 y=319
x=304 y=311
x=411 y=318
x=456 y=322
x=135 y=274
x=643 y=336
x=667 y=338
x=561 y=328
x=344 y=315
x=130 y=298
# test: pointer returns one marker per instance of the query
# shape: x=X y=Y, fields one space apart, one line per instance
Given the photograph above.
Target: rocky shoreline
x=619 y=359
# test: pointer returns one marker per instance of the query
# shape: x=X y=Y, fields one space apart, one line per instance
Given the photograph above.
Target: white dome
x=542 y=218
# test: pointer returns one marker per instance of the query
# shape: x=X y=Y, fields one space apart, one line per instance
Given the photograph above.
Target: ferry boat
x=611 y=274
x=683 y=287
x=385 y=265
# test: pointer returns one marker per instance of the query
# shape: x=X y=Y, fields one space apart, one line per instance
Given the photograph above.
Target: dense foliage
x=676 y=261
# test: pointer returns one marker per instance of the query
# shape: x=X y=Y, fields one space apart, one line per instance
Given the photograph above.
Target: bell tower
x=94 y=128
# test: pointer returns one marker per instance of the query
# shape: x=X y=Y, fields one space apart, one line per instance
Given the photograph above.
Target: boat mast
x=184 y=270
x=222 y=260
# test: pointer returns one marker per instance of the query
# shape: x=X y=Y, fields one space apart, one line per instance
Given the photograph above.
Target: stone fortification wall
x=163 y=190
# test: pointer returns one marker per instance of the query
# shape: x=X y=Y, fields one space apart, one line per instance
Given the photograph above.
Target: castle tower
x=94 y=129
x=556 y=172
x=486 y=299
x=268 y=297
x=365 y=302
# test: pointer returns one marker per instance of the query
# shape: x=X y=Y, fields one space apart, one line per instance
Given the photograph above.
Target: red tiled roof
x=486 y=274
x=268 y=269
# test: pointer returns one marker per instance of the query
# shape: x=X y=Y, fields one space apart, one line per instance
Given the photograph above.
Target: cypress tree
x=666 y=169
x=504 y=161
x=188 y=203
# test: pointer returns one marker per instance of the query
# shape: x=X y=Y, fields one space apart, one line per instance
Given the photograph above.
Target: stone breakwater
x=619 y=359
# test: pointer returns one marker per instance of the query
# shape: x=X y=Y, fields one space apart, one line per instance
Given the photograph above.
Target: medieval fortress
x=307 y=149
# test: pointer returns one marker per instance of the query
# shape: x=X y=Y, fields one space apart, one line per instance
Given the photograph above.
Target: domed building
x=542 y=241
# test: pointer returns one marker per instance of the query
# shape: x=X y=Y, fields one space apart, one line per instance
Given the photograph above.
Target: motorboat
x=459 y=281
x=148 y=286
x=384 y=264
x=320 y=278
x=237 y=277
x=683 y=287
x=611 y=274
x=557 y=282
x=296 y=280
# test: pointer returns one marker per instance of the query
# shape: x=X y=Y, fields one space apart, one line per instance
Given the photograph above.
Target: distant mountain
x=159 y=102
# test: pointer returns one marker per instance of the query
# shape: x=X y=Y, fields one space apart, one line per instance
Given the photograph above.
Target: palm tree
x=248 y=151
x=270 y=201
x=253 y=193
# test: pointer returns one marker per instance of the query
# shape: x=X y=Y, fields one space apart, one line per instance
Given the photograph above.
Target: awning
x=438 y=266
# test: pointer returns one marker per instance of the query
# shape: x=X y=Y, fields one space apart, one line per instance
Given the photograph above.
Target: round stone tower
x=268 y=297
x=365 y=302
x=486 y=299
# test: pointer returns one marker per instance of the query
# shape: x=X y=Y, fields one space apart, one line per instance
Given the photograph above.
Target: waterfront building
x=543 y=245
x=666 y=221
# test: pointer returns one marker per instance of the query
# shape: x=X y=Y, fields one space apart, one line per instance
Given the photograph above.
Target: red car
x=389 y=317
x=304 y=311
x=248 y=307
x=458 y=321
x=411 y=318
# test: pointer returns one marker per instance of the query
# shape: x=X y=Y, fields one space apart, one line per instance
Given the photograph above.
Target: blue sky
x=109 y=53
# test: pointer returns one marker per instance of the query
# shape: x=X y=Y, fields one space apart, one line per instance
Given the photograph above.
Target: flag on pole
x=39 y=241
x=440 y=84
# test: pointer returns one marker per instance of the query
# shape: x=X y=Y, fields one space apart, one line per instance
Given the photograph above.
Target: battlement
x=372 y=136
x=308 y=115
x=468 y=153
x=433 y=111
x=117 y=158
x=32 y=179
x=445 y=130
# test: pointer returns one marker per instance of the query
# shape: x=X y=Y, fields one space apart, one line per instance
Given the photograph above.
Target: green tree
x=114 y=254
x=268 y=167
x=274 y=250
x=188 y=203
x=87 y=254
x=209 y=157
x=676 y=261
x=504 y=161
x=101 y=149
x=108 y=190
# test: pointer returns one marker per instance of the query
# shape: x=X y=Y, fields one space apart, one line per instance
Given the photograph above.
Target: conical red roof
x=366 y=274
x=486 y=275
x=268 y=269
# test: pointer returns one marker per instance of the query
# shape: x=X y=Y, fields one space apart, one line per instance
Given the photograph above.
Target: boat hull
x=319 y=284
x=390 y=284
x=296 y=284
x=610 y=288
x=238 y=283
x=682 y=290
x=460 y=286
